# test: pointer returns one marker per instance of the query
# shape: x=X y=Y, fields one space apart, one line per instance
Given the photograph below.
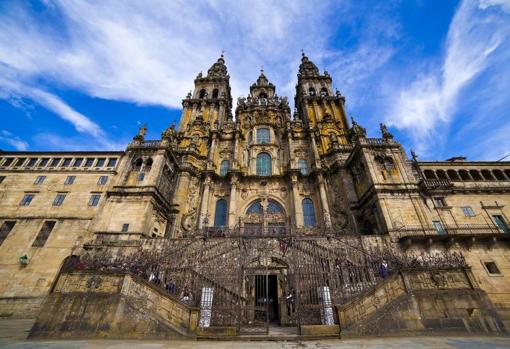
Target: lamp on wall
x=23 y=260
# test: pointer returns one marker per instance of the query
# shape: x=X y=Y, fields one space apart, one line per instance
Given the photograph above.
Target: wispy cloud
x=428 y=105
x=16 y=142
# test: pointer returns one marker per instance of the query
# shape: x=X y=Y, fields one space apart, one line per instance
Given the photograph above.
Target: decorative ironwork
x=250 y=282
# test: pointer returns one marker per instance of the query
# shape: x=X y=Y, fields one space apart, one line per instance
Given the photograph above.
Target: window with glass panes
x=468 y=211
x=112 y=162
x=102 y=180
x=263 y=135
x=39 y=179
x=70 y=180
x=263 y=164
x=94 y=199
x=89 y=162
x=308 y=212
x=220 y=215
x=100 y=162
x=27 y=199
x=224 y=167
x=303 y=167
x=54 y=162
x=19 y=162
x=59 y=199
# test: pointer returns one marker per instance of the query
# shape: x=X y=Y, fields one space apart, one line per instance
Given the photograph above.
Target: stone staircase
x=421 y=301
x=112 y=305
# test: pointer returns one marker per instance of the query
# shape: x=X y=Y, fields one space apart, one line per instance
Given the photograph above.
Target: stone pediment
x=268 y=262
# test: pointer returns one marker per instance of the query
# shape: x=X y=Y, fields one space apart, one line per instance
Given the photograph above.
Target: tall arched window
x=308 y=213
x=202 y=94
x=225 y=164
x=311 y=91
x=324 y=92
x=220 y=215
x=264 y=164
x=263 y=135
x=215 y=93
x=303 y=166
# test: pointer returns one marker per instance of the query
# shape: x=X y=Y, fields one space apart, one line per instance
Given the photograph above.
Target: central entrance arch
x=264 y=217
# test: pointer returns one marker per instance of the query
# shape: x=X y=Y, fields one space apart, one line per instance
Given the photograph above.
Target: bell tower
x=211 y=100
x=319 y=107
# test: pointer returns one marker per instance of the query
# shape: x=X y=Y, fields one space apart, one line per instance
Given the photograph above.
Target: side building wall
x=45 y=233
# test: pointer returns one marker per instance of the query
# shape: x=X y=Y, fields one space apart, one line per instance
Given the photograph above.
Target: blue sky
x=80 y=75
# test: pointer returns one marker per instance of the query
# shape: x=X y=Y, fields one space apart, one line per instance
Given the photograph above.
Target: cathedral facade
x=242 y=220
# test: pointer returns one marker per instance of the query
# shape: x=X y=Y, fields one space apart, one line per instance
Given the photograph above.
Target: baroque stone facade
x=300 y=207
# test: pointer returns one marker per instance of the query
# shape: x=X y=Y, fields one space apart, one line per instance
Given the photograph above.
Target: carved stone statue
x=143 y=130
x=385 y=133
x=169 y=133
x=357 y=130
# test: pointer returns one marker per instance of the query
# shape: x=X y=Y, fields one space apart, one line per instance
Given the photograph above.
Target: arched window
x=215 y=93
x=308 y=213
x=264 y=164
x=148 y=165
x=220 y=215
x=324 y=92
x=311 y=91
x=475 y=175
x=452 y=174
x=429 y=174
x=274 y=207
x=137 y=164
x=202 y=94
x=303 y=166
x=263 y=135
x=256 y=207
x=263 y=95
x=224 y=167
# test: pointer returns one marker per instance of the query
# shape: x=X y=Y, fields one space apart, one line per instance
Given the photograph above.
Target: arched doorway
x=265 y=217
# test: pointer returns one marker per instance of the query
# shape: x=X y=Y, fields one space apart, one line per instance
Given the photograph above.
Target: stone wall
x=88 y=305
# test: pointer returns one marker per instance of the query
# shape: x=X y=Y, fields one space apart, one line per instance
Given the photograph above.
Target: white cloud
x=8 y=138
x=427 y=105
x=150 y=53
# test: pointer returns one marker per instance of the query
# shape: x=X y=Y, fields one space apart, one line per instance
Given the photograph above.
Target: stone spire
x=307 y=68
x=218 y=69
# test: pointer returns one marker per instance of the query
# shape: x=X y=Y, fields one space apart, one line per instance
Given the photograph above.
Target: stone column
x=232 y=217
x=298 y=208
x=324 y=201
x=204 y=206
x=180 y=198
x=315 y=151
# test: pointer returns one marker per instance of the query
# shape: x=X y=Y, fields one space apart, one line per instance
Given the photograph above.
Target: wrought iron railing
x=460 y=229
x=436 y=183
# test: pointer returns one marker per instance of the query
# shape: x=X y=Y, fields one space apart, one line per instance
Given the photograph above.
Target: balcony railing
x=461 y=229
x=436 y=184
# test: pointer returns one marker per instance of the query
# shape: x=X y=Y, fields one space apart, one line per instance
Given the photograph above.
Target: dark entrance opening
x=273 y=298
x=266 y=298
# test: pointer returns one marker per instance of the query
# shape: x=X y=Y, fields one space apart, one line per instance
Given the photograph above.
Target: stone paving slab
x=376 y=343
